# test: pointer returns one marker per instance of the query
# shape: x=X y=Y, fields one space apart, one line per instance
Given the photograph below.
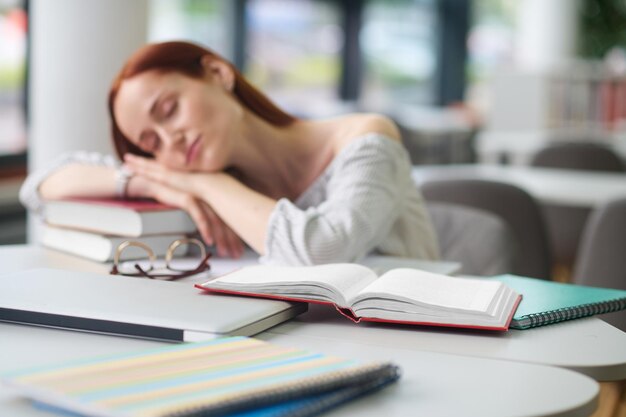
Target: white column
x=77 y=48
x=546 y=33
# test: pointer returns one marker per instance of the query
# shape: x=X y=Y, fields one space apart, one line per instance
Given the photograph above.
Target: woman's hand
x=212 y=229
x=244 y=210
x=158 y=173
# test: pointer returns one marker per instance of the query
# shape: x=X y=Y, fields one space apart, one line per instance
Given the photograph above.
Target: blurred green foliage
x=391 y=75
x=11 y=78
x=200 y=7
x=602 y=27
x=314 y=69
x=501 y=11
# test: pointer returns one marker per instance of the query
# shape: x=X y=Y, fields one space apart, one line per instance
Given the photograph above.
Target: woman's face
x=186 y=123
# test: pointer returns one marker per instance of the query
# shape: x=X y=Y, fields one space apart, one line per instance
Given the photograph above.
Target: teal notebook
x=547 y=302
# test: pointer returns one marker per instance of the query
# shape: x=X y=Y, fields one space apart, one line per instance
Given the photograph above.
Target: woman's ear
x=219 y=71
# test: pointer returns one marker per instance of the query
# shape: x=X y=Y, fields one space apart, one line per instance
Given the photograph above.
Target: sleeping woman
x=191 y=132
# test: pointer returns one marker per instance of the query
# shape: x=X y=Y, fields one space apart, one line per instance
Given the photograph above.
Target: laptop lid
x=137 y=307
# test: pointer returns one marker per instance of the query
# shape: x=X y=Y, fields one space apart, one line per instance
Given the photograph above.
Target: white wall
x=546 y=33
x=77 y=48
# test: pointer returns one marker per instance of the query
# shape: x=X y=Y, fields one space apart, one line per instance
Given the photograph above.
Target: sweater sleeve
x=363 y=200
x=29 y=192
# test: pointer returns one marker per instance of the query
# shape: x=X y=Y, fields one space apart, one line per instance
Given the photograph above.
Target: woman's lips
x=193 y=150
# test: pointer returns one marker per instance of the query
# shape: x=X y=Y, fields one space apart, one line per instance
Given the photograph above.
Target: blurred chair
x=477 y=239
x=511 y=204
x=578 y=155
x=565 y=223
x=602 y=256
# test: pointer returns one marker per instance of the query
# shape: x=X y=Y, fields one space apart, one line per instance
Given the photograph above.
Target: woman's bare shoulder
x=354 y=126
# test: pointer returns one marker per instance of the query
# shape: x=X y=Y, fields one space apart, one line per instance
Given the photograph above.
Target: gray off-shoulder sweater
x=365 y=201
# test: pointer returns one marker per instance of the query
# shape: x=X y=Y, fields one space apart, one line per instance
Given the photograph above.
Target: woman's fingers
x=139 y=162
x=186 y=202
x=226 y=240
x=210 y=226
x=235 y=243
x=143 y=166
x=217 y=227
x=156 y=172
x=203 y=224
x=232 y=242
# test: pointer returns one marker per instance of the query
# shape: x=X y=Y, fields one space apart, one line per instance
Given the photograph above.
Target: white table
x=432 y=384
x=439 y=364
x=20 y=257
x=589 y=345
x=519 y=146
x=553 y=186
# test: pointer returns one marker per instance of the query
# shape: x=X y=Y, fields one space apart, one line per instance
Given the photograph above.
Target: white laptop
x=136 y=307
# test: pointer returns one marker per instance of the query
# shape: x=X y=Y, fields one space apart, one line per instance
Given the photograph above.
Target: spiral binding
x=340 y=386
x=570 y=313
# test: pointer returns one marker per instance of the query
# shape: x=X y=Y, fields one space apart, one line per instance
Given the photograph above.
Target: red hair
x=186 y=58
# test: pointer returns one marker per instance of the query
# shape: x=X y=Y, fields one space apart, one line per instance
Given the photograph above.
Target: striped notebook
x=547 y=302
x=235 y=376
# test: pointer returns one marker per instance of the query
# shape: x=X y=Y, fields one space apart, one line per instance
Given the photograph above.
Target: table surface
x=589 y=346
x=438 y=364
x=432 y=384
x=554 y=186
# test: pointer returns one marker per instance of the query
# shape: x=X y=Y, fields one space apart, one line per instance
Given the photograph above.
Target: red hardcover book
x=403 y=295
x=621 y=103
x=130 y=218
x=608 y=100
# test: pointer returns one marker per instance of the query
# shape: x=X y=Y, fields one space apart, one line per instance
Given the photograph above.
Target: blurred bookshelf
x=12 y=214
x=581 y=102
x=13 y=73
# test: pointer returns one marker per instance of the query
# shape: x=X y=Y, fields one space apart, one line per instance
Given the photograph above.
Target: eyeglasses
x=175 y=270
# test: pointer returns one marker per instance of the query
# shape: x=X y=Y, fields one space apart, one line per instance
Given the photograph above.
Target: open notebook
x=400 y=295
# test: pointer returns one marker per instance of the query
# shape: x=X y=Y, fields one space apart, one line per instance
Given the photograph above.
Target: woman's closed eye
x=168 y=108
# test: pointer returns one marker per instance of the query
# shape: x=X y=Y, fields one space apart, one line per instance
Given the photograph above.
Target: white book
x=401 y=295
x=101 y=248
x=129 y=218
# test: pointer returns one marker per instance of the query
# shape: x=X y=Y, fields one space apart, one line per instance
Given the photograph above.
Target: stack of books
x=94 y=228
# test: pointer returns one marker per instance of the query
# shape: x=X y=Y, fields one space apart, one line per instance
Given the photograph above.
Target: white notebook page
x=344 y=279
x=433 y=289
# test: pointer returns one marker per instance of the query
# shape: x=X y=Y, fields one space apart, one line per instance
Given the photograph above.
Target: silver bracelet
x=122 y=177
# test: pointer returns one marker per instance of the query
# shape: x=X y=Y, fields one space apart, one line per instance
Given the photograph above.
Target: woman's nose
x=173 y=149
x=173 y=139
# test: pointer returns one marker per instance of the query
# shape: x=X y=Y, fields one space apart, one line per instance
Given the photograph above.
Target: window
x=205 y=22
x=398 y=40
x=309 y=55
x=293 y=51
x=490 y=44
x=13 y=30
